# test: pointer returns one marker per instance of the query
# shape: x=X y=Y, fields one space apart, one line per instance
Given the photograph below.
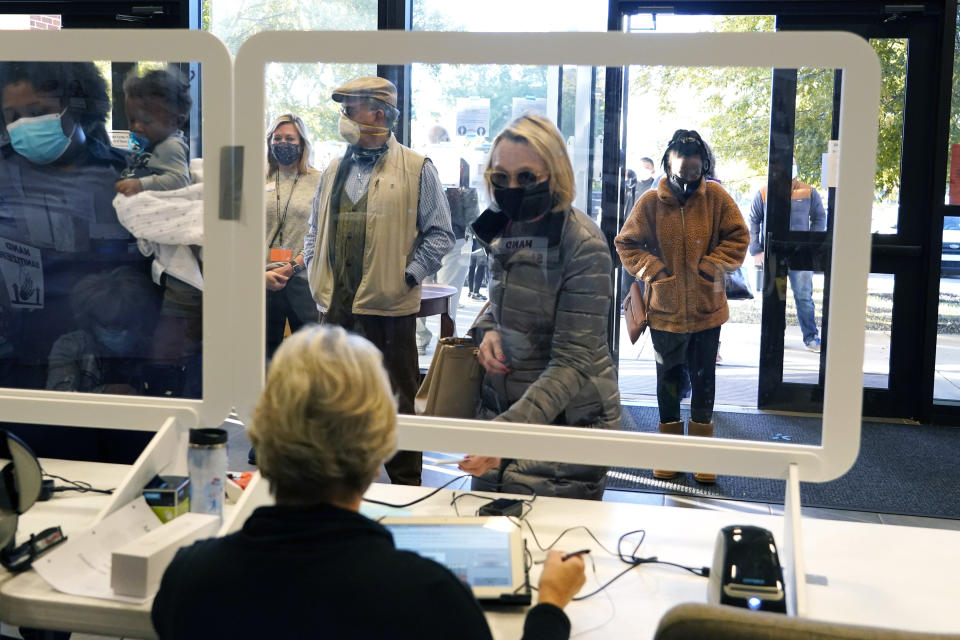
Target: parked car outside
x=950 y=258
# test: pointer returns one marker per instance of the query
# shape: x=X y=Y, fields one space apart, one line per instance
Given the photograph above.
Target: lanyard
x=283 y=218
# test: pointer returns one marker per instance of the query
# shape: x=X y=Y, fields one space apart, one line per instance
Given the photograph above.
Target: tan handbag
x=635 y=311
x=452 y=384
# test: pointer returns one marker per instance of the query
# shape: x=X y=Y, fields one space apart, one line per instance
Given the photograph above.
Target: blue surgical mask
x=39 y=139
x=118 y=341
x=137 y=142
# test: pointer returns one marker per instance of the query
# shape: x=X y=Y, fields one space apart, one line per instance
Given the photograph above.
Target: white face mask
x=349 y=130
x=793 y=173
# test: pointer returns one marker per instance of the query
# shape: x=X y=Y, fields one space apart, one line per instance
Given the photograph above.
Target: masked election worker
x=311 y=565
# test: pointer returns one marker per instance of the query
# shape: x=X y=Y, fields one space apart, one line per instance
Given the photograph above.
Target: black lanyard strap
x=282 y=218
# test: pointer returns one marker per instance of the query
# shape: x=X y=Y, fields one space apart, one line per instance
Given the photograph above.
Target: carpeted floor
x=901 y=469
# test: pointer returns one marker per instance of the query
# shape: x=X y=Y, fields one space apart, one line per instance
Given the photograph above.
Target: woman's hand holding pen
x=563 y=576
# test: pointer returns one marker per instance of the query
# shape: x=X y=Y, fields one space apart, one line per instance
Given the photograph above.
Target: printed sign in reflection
x=22 y=270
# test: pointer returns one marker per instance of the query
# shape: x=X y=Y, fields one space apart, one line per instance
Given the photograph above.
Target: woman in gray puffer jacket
x=542 y=337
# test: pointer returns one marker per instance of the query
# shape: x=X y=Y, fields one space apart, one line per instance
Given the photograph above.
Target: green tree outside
x=736 y=104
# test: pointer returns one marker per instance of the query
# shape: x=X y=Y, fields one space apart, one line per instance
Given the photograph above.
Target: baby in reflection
x=157 y=105
x=163 y=209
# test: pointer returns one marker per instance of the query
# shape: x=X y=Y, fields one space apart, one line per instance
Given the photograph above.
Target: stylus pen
x=567 y=556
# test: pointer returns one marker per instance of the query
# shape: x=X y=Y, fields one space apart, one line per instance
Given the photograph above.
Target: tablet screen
x=477 y=555
x=485 y=553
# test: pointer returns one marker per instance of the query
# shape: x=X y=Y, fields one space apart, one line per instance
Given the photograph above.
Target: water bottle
x=207 y=466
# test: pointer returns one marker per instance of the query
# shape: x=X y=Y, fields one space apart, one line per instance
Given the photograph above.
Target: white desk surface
x=880 y=575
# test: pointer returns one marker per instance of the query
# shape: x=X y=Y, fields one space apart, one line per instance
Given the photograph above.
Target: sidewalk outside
x=740 y=350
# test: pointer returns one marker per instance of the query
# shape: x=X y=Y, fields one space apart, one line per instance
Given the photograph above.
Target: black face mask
x=285 y=153
x=683 y=189
x=524 y=204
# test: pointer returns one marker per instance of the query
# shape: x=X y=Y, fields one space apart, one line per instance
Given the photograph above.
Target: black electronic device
x=501 y=507
x=21 y=481
x=746 y=570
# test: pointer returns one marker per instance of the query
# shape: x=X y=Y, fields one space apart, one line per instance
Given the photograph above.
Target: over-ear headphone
x=20 y=482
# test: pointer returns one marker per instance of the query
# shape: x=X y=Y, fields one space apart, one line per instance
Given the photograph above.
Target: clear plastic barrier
x=109 y=198
x=461 y=90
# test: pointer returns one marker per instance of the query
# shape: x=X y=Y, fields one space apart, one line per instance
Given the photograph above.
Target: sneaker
x=480 y=297
x=813 y=345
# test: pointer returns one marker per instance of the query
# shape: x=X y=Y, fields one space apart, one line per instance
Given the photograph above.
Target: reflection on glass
x=946 y=385
x=84 y=225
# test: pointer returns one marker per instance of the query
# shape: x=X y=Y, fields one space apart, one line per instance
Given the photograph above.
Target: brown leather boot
x=704 y=431
x=674 y=429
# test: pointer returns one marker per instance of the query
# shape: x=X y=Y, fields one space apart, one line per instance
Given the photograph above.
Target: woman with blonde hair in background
x=291 y=186
x=543 y=336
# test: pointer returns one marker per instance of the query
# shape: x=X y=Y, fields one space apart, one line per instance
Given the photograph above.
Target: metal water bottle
x=207 y=466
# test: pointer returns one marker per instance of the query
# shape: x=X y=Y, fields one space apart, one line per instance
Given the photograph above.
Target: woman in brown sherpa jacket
x=681 y=239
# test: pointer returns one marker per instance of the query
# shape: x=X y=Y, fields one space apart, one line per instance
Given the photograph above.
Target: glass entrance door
x=803 y=126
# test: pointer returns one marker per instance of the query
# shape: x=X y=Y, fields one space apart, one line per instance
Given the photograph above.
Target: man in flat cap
x=380 y=225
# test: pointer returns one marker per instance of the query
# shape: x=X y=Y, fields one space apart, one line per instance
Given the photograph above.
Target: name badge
x=281 y=255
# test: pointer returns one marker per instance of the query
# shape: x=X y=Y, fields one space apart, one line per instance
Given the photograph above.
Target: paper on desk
x=81 y=565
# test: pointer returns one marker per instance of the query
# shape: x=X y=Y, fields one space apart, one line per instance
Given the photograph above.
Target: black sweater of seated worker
x=320 y=572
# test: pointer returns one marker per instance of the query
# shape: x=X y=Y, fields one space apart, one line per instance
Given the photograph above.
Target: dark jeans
x=396 y=339
x=294 y=304
x=477 y=272
x=699 y=352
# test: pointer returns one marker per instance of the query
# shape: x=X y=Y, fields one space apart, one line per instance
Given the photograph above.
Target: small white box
x=136 y=568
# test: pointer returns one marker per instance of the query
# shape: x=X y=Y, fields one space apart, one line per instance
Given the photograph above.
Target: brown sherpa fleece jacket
x=694 y=244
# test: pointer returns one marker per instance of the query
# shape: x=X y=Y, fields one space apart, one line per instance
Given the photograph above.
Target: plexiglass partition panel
x=535 y=308
x=108 y=215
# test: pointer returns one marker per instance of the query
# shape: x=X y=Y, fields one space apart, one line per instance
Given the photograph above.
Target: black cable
x=453 y=500
x=77 y=485
x=420 y=499
x=702 y=572
x=565 y=532
x=528 y=503
x=630 y=559
x=633 y=560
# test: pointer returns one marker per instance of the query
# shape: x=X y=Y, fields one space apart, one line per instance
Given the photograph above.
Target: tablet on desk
x=486 y=553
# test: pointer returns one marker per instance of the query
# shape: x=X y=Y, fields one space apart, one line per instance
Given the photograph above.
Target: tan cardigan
x=695 y=244
x=392 y=200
